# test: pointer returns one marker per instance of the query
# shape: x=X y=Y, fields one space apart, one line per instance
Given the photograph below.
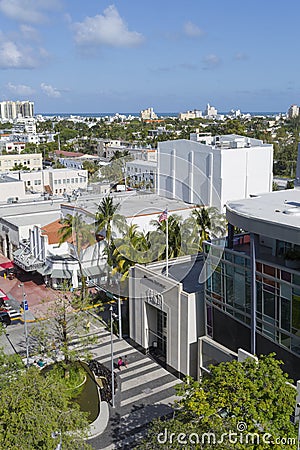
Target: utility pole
x=112 y=358
x=25 y=308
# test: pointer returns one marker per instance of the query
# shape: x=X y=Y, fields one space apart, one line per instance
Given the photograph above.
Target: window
x=76 y=180
x=72 y=180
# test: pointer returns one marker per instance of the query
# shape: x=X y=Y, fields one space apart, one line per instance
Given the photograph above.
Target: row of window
x=69 y=180
x=11 y=163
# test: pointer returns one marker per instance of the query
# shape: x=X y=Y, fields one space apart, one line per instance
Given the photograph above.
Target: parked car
x=5 y=318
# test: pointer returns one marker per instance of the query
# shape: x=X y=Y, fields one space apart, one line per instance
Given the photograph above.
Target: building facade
x=166 y=312
x=33 y=161
x=229 y=168
x=252 y=292
x=10 y=110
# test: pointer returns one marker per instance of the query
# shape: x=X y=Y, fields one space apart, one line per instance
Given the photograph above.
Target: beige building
x=33 y=161
x=148 y=114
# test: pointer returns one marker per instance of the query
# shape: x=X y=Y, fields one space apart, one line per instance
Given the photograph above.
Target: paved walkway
x=145 y=391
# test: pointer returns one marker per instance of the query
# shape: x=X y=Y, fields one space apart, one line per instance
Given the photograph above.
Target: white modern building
x=10 y=110
x=194 y=114
x=11 y=190
x=229 y=168
x=59 y=263
x=33 y=161
x=167 y=312
x=16 y=221
x=54 y=181
x=252 y=289
x=210 y=111
x=141 y=172
x=137 y=208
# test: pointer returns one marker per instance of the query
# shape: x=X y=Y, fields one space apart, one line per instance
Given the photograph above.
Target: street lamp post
x=25 y=308
x=120 y=311
x=112 y=358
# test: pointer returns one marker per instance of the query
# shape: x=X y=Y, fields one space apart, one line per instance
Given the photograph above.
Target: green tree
x=136 y=247
x=80 y=233
x=238 y=397
x=33 y=408
x=210 y=223
x=65 y=323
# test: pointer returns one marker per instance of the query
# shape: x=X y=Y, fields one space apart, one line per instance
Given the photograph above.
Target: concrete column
x=253 y=240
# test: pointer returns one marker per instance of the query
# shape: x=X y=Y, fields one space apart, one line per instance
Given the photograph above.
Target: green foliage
x=66 y=323
x=33 y=408
x=19 y=167
x=254 y=394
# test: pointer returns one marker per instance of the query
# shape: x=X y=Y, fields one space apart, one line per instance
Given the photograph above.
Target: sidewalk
x=145 y=391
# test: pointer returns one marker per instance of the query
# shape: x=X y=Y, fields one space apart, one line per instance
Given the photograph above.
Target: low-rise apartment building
x=33 y=161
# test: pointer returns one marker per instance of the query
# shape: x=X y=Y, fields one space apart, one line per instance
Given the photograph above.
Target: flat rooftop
x=276 y=214
x=133 y=205
x=185 y=270
x=33 y=218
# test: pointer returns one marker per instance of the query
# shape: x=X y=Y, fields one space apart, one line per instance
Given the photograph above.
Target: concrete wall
x=182 y=317
x=199 y=173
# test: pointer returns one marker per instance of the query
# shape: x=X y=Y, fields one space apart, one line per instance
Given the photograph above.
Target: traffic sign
x=25 y=305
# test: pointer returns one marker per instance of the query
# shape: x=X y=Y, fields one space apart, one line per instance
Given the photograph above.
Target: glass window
x=285 y=314
x=269 y=270
x=286 y=276
x=269 y=304
x=296 y=311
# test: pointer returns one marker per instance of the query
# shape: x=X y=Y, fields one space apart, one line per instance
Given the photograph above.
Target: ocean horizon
x=137 y=114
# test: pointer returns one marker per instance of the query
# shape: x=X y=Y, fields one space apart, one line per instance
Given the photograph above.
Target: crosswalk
x=13 y=313
x=145 y=391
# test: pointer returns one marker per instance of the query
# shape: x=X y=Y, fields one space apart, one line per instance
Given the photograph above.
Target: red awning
x=7 y=265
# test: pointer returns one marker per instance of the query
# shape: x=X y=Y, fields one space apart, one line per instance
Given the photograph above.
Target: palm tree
x=210 y=223
x=105 y=218
x=136 y=247
x=174 y=235
x=80 y=233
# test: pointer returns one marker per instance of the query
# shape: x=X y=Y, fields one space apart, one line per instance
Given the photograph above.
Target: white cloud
x=50 y=91
x=28 y=11
x=211 y=61
x=20 y=89
x=192 y=30
x=29 y=32
x=107 y=29
x=14 y=56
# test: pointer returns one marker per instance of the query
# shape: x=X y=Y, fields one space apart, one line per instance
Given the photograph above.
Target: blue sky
x=127 y=55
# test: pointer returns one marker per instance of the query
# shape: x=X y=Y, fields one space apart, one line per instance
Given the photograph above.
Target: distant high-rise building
x=10 y=110
x=148 y=114
x=293 y=111
x=210 y=111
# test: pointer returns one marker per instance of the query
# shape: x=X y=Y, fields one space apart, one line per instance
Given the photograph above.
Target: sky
x=98 y=56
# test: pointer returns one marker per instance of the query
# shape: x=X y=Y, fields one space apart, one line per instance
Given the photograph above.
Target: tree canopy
x=33 y=408
x=252 y=400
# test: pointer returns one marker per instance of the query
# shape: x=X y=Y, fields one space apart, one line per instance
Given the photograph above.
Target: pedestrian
x=4 y=276
x=88 y=326
x=126 y=361
x=121 y=363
